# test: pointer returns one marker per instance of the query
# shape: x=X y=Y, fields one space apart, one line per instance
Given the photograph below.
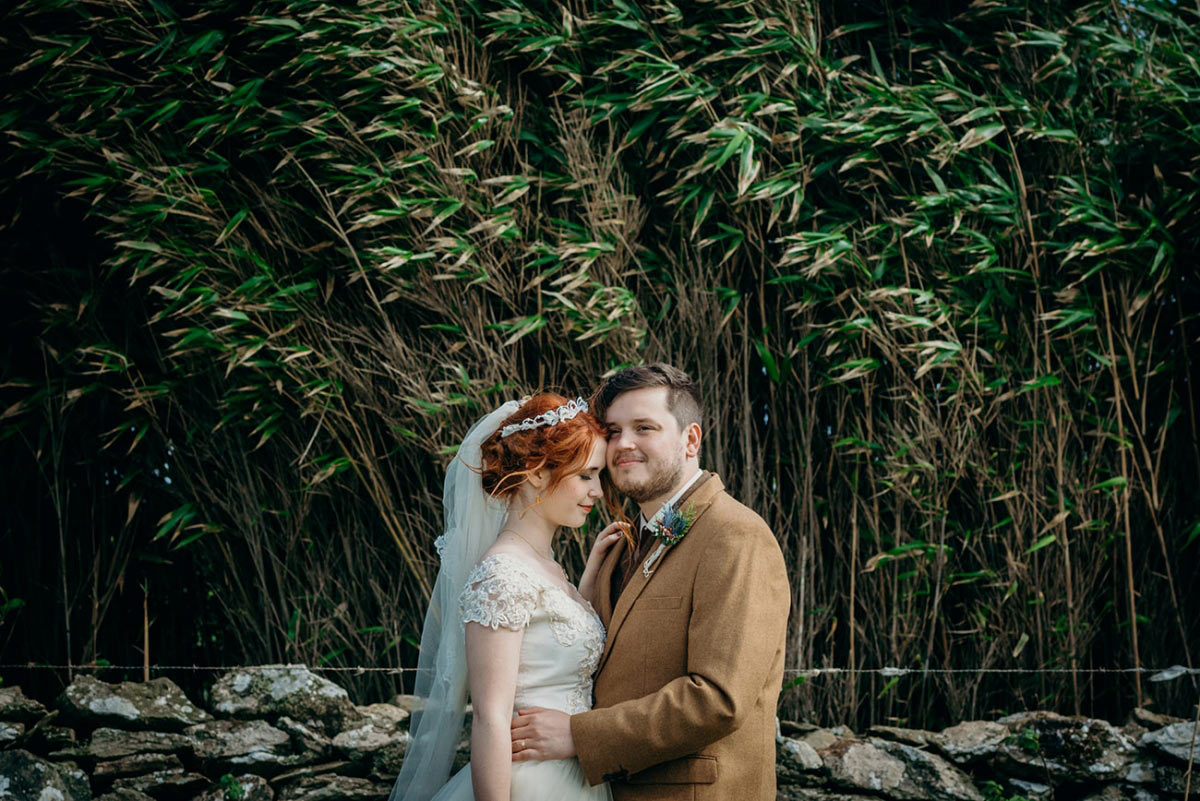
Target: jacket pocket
x=687 y=770
x=659 y=602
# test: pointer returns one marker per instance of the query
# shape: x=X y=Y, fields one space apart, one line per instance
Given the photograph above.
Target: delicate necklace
x=533 y=547
x=530 y=544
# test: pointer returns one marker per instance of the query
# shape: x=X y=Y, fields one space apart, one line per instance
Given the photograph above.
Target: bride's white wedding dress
x=560 y=650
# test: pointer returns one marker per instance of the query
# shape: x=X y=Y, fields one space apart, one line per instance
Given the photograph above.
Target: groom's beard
x=658 y=483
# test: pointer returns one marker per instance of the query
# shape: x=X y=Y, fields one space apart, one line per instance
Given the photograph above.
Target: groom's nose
x=619 y=443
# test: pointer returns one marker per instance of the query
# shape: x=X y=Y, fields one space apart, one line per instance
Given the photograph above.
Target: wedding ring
x=522 y=748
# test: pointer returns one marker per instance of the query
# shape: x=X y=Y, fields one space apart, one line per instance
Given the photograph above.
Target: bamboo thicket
x=933 y=265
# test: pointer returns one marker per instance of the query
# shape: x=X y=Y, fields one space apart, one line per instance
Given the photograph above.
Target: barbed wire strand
x=1159 y=674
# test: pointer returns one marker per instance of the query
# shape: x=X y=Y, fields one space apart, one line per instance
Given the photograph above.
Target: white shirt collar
x=675 y=498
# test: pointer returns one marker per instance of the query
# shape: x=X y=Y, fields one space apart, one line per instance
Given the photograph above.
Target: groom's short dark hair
x=683 y=396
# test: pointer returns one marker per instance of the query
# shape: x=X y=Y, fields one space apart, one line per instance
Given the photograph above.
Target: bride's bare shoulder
x=504 y=554
x=502 y=547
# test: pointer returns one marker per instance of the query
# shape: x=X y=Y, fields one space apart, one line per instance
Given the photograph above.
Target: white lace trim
x=503 y=591
x=497 y=596
x=571 y=623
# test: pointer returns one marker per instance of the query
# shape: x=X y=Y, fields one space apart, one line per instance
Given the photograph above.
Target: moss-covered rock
x=25 y=776
x=156 y=704
x=293 y=690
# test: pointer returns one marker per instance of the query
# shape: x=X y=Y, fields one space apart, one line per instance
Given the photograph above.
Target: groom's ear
x=691 y=443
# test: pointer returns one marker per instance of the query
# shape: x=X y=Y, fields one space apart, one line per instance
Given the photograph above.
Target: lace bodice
x=563 y=636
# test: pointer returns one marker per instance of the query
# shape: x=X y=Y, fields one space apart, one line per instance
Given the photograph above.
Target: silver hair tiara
x=551 y=418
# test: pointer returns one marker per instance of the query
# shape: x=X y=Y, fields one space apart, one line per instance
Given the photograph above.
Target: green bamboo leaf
x=304 y=287
x=640 y=127
x=204 y=43
x=331 y=655
x=278 y=21
x=175 y=519
x=855 y=368
x=702 y=211
x=747 y=167
x=1040 y=383
x=734 y=145
x=1041 y=543
x=135 y=245
x=475 y=147
x=232 y=225
x=165 y=111
x=977 y=136
x=188 y=539
x=768 y=361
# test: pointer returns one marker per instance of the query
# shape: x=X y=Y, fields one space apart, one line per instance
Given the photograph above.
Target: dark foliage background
x=262 y=264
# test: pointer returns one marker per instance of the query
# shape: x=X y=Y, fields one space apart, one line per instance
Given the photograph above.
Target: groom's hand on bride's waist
x=539 y=733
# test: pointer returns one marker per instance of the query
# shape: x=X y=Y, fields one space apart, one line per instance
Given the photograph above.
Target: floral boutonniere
x=668 y=525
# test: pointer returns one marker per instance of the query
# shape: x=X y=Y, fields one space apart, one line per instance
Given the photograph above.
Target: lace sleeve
x=498 y=593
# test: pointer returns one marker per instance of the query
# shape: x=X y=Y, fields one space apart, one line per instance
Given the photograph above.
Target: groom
x=688 y=684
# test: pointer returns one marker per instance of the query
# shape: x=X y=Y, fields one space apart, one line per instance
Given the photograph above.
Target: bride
x=503 y=619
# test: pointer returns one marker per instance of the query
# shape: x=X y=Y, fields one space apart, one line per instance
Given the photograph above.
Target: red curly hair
x=562 y=449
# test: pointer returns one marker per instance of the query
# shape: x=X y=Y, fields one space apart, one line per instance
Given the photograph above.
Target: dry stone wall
x=283 y=733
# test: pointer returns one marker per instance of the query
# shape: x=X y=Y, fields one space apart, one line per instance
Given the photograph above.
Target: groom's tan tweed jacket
x=692 y=668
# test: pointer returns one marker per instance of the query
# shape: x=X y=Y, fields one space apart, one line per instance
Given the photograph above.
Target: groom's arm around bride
x=687 y=688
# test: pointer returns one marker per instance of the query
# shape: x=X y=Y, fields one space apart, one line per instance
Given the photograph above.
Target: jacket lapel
x=702 y=497
x=604 y=580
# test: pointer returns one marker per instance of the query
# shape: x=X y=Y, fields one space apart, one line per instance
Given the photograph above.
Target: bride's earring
x=537 y=501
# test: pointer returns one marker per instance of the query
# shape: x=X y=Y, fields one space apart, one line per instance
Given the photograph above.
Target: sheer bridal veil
x=473 y=520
